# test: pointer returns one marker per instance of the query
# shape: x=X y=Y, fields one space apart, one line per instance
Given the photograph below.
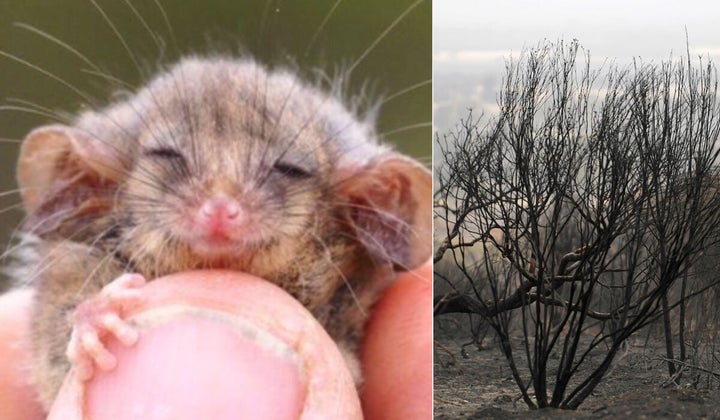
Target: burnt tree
x=579 y=205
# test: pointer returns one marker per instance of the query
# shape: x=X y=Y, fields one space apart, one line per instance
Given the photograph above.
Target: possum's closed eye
x=165 y=153
x=291 y=170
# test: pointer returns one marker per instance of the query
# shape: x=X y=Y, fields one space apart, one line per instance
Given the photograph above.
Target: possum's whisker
x=10 y=207
x=379 y=246
x=29 y=110
x=313 y=117
x=399 y=225
x=382 y=35
x=110 y=78
x=320 y=27
x=406 y=128
x=144 y=23
x=166 y=243
x=167 y=23
x=5 y=140
x=11 y=245
x=279 y=120
x=59 y=42
x=150 y=179
x=332 y=137
x=48 y=262
x=188 y=114
x=163 y=115
x=248 y=124
x=296 y=136
x=144 y=200
x=11 y=192
x=416 y=276
x=55 y=77
x=61 y=117
x=39 y=268
x=42 y=111
x=405 y=90
x=129 y=136
x=263 y=108
x=137 y=253
x=81 y=289
x=119 y=36
x=269 y=4
x=125 y=45
x=34 y=105
x=398 y=229
x=328 y=256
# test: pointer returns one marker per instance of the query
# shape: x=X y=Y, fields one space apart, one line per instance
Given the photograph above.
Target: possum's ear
x=60 y=168
x=388 y=206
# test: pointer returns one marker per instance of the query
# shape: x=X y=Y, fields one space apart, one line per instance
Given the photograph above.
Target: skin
x=397 y=343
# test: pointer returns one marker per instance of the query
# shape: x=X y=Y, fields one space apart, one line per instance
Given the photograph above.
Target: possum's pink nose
x=219 y=214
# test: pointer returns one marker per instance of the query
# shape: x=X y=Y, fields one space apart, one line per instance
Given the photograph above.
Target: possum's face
x=223 y=194
x=220 y=161
x=215 y=183
x=223 y=170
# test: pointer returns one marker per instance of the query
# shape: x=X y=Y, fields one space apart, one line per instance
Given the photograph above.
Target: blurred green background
x=275 y=32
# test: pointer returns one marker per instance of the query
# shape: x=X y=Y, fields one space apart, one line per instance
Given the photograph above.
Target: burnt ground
x=481 y=387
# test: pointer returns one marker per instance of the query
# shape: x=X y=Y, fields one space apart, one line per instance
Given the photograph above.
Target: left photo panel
x=215 y=210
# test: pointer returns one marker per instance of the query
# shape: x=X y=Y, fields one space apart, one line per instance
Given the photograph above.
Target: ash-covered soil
x=481 y=387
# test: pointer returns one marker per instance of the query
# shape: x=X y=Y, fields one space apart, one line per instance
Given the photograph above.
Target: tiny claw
x=97 y=351
x=127 y=335
x=123 y=291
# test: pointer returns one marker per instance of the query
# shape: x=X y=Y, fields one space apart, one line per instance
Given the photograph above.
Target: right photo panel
x=576 y=209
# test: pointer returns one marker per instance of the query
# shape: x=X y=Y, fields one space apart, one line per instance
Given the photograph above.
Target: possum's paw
x=99 y=317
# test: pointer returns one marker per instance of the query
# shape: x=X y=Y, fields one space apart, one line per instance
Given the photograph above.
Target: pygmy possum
x=216 y=163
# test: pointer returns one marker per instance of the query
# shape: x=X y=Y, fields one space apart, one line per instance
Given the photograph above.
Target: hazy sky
x=472 y=38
